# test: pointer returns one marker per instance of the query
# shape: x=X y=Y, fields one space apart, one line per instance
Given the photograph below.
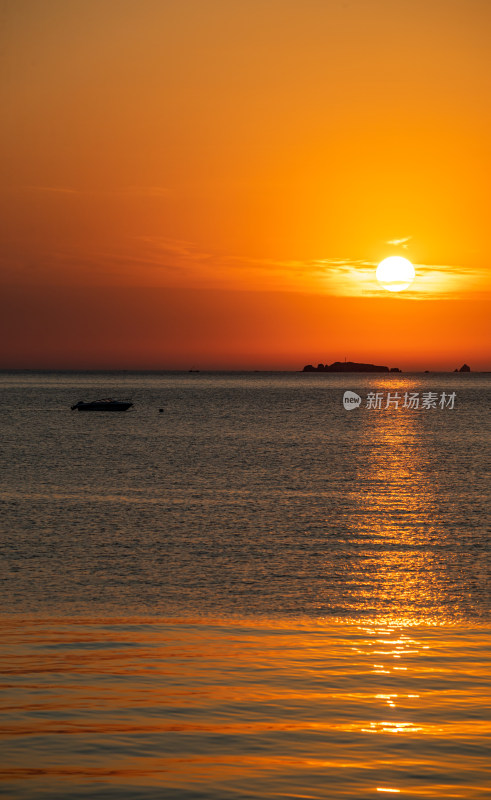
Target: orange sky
x=211 y=183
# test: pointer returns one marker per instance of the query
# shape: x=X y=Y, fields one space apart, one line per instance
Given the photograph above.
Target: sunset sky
x=212 y=183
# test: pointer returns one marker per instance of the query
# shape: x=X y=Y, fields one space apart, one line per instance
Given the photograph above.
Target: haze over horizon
x=211 y=184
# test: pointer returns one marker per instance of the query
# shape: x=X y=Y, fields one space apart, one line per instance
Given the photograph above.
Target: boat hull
x=102 y=405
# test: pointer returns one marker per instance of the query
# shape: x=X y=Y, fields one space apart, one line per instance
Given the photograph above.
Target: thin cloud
x=130 y=191
x=50 y=189
x=166 y=262
x=335 y=276
x=145 y=191
x=357 y=278
x=399 y=242
x=180 y=248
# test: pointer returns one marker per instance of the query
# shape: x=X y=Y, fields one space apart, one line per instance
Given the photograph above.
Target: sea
x=239 y=589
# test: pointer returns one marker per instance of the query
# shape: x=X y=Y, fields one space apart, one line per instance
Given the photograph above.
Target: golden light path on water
x=265 y=706
x=395 y=522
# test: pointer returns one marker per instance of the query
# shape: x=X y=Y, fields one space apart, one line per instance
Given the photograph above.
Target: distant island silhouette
x=348 y=366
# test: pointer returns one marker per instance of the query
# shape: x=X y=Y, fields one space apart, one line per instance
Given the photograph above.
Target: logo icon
x=351 y=400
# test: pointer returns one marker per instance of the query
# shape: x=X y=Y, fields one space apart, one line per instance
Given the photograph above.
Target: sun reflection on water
x=183 y=703
x=396 y=520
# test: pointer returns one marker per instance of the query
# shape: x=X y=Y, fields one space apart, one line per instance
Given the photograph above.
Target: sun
x=395 y=273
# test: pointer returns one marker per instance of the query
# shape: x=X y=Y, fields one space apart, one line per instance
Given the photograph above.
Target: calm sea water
x=253 y=594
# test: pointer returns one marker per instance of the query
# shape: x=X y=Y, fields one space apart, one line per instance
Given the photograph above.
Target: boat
x=108 y=404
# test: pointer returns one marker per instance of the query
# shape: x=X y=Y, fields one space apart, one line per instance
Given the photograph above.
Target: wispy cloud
x=357 y=278
x=336 y=276
x=144 y=191
x=49 y=189
x=400 y=242
x=129 y=191
x=155 y=261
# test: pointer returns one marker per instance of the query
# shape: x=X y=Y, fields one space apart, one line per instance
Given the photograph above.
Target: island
x=348 y=366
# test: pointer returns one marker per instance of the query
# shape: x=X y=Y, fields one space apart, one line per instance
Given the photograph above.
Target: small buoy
x=160 y=410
